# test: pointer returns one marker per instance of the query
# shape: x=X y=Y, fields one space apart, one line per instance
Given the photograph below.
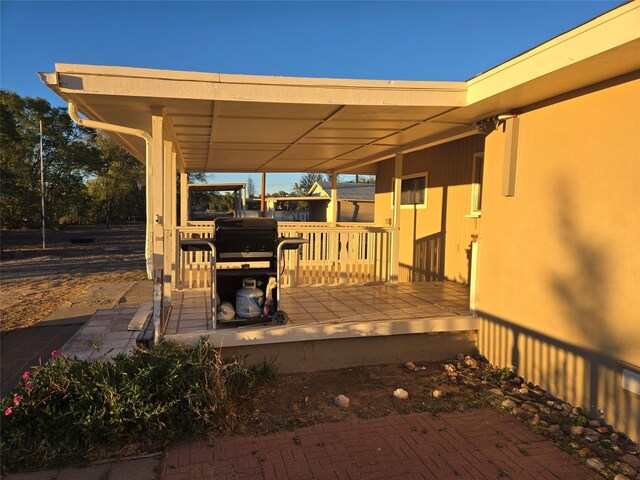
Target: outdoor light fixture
x=488 y=125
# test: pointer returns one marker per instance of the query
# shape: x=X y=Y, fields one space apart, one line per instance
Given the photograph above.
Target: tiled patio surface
x=307 y=305
x=475 y=444
x=105 y=335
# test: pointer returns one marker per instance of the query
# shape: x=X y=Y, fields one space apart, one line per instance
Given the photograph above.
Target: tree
x=70 y=156
x=251 y=188
x=118 y=191
x=301 y=187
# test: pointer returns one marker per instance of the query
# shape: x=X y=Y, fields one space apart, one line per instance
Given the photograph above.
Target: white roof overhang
x=243 y=123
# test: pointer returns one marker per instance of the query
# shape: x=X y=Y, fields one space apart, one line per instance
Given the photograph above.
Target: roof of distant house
x=364 y=192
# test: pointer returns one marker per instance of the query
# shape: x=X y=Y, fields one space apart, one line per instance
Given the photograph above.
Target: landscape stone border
x=587 y=436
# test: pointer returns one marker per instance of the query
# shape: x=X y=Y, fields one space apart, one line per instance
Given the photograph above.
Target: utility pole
x=262 y=201
x=42 y=185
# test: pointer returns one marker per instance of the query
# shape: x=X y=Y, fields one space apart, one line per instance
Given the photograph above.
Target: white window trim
x=407 y=177
x=475 y=187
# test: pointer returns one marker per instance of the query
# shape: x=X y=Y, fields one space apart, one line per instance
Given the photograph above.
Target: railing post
x=395 y=239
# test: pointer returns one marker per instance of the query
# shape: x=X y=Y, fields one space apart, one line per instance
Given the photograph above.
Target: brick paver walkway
x=477 y=444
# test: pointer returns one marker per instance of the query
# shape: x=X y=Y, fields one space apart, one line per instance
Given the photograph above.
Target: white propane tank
x=249 y=299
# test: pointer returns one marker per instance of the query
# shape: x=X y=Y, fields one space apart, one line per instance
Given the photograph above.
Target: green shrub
x=70 y=410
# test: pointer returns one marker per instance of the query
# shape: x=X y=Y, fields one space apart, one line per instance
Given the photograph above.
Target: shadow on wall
x=590 y=378
x=583 y=377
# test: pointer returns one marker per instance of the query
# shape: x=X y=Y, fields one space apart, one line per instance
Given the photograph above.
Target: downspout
x=73 y=113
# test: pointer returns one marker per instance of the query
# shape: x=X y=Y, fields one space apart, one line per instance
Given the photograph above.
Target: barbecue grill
x=241 y=248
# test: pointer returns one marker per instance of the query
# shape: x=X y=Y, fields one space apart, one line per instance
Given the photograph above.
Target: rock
x=508 y=403
x=615 y=438
x=576 y=431
x=517 y=411
x=436 y=393
x=529 y=407
x=595 y=464
x=497 y=391
x=544 y=409
x=409 y=365
x=575 y=446
x=516 y=380
x=449 y=368
x=554 y=428
x=401 y=394
x=626 y=469
x=594 y=423
x=460 y=357
x=631 y=460
x=342 y=401
x=543 y=424
x=524 y=391
x=576 y=412
x=550 y=403
x=620 y=477
x=584 y=452
x=535 y=420
x=602 y=430
x=470 y=362
x=591 y=437
x=557 y=406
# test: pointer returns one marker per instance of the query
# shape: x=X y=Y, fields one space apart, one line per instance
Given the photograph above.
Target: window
x=476 y=184
x=413 y=191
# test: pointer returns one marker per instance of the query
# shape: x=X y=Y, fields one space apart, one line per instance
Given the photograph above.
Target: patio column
x=334 y=198
x=157 y=198
x=395 y=239
x=157 y=190
x=169 y=177
x=184 y=199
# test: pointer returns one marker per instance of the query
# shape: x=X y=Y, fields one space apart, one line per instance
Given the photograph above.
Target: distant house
x=355 y=202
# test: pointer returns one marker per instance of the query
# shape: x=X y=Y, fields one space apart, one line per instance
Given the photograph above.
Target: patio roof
x=244 y=123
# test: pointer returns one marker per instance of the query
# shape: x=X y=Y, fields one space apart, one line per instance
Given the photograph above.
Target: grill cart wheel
x=280 y=317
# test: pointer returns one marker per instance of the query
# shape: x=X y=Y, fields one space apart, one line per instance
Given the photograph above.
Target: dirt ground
x=34 y=282
x=303 y=399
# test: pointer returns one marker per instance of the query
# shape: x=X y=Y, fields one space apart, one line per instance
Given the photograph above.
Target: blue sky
x=445 y=40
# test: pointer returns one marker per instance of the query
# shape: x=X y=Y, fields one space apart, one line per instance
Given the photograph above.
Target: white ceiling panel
x=260 y=130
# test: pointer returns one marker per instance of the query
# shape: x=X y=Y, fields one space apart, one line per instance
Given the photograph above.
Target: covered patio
x=183 y=122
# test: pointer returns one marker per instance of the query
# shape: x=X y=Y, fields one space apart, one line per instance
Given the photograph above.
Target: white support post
x=395 y=240
x=157 y=195
x=473 y=281
x=169 y=176
x=334 y=198
x=184 y=199
x=174 y=218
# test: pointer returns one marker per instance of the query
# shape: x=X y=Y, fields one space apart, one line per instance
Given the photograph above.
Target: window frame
x=475 y=206
x=411 y=206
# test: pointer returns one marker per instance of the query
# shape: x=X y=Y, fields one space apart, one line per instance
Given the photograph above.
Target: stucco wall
x=559 y=263
x=435 y=241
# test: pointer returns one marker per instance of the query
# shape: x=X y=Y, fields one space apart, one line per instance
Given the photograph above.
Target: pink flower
x=25 y=375
x=55 y=354
x=16 y=399
x=31 y=402
x=8 y=411
x=28 y=386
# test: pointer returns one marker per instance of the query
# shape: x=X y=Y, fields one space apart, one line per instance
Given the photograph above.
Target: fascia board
x=98 y=81
x=610 y=30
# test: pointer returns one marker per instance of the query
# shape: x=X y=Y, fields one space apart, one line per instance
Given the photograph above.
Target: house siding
x=559 y=267
x=435 y=241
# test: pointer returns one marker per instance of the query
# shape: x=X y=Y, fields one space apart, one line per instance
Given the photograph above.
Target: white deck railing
x=345 y=253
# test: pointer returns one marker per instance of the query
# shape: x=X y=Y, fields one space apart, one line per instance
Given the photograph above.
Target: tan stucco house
x=520 y=185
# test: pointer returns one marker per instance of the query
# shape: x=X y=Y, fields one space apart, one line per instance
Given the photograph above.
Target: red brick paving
x=476 y=444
